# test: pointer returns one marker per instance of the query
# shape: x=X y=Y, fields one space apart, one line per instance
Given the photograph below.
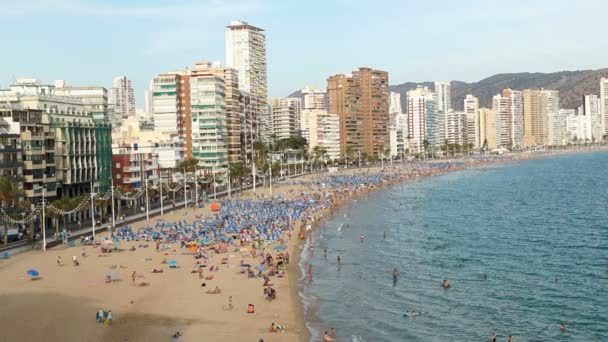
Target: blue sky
x=87 y=42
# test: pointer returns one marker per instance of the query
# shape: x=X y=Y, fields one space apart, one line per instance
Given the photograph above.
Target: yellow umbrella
x=244 y=249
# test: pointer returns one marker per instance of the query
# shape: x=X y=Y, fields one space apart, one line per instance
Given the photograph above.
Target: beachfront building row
x=205 y=108
x=64 y=139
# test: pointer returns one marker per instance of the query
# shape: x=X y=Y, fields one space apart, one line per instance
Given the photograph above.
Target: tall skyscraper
x=208 y=126
x=233 y=114
x=509 y=118
x=324 y=131
x=246 y=52
x=456 y=122
x=171 y=107
x=361 y=101
x=122 y=98
x=472 y=122
x=443 y=107
x=604 y=103
x=394 y=107
x=592 y=110
x=533 y=123
x=420 y=108
x=488 y=134
x=549 y=105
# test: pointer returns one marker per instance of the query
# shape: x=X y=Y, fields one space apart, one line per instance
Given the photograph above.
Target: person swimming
x=362 y=238
x=446 y=284
x=562 y=327
x=395 y=275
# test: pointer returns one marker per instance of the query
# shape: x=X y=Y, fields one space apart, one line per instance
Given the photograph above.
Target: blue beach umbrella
x=260 y=268
x=32 y=273
x=245 y=265
x=280 y=248
x=172 y=262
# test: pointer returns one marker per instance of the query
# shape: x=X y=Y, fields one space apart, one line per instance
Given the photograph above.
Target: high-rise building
x=532 y=115
x=122 y=98
x=246 y=52
x=394 y=107
x=592 y=110
x=578 y=126
x=250 y=113
x=549 y=105
x=604 y=104
x=509 y=118
x=398 y=136
x=208 y=125
x=361 y=101
x=420 y=108
x=314 y=98
x=556 y=127
x=489 y=133
x=285 y=117
x=339 y=95
x=472 y=134
x=324 y=131
x=233 y=106
x=456 y=122
x=171 y=107
x=444 y=106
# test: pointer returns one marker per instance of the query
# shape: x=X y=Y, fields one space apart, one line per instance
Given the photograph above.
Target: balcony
x=33 y=165
x=37 y=150
x=6 y=164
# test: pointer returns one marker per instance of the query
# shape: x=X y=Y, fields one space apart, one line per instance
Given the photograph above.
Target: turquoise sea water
x=525 y=246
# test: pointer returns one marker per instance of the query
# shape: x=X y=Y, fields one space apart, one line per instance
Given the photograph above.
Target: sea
x=523 y=244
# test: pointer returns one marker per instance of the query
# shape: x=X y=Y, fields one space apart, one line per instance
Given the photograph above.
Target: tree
x=426 y=144
x=189 y=164
x=239 y=171
x=101 y=202
x=261 y=153
x=9 y=194
x=319 y=155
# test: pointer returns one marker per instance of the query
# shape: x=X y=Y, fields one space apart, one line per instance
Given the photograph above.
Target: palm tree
x=239 y=171
x=319 y=154
x=426 y=144
x=261 y=153
x=9 y=194
x=102 y=204
x=63 y=204
x=189 y=164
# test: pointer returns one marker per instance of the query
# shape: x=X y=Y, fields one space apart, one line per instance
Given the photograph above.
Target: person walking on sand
x=59 y=261
x=109 y=318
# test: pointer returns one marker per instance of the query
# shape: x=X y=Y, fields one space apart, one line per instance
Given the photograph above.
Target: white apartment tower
x=472 y=134
x=420 y=105
x=604 y=103
x=314 y=98
x=246 y=52
x=285 y=117
x=122 y=98
x=508 y=107
x=444 y=96
x=592 y=110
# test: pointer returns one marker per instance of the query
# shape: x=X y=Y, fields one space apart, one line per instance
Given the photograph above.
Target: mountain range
x=572 y=86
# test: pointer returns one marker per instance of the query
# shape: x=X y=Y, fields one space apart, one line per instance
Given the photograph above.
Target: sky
x=88 y=42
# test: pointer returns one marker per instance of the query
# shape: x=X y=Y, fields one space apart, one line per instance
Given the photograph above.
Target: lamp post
x=195 y=188
x=214 y=184
x=253 y=173
x=92 y=211
x=160 y=177
x=112 y=194
x=185 y=192
x=43 y=220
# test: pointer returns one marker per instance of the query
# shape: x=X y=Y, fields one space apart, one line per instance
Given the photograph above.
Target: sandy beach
x=61 y=304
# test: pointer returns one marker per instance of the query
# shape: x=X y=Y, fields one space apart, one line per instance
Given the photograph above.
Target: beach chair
x=5 y=255
x=71 y=244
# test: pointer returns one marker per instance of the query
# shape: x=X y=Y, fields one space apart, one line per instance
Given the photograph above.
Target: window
x=118 y=176
x=118 y=165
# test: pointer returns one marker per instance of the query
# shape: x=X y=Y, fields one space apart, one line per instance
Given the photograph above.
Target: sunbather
x=215 y=291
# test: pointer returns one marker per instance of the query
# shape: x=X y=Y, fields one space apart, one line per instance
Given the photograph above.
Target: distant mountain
x=572 y=85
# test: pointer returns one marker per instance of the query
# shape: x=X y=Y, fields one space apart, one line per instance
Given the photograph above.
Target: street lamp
x=112 y=194
x=92 y=211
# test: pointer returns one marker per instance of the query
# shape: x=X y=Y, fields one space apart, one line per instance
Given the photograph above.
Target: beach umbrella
x=245 y=265
x=280 y=248
x=172 y=262
x=244 y=249
x=32 y=273
x=260 y=268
